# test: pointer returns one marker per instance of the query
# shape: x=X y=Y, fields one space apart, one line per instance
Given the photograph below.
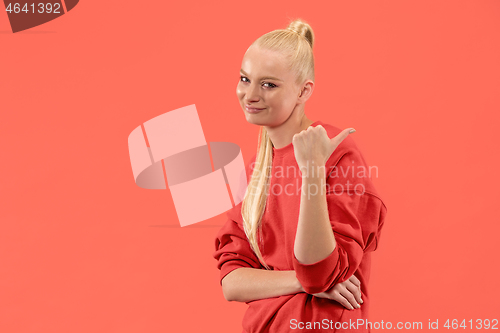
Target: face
x=267 y=86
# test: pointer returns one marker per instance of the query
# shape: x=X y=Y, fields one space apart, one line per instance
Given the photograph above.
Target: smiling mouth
x=253 y=110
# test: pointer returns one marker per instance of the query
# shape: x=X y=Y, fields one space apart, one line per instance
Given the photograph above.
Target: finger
x=297 y=137
x=341 y=300
x=320 y=128
x=342 y=135
x=335 y=141
x=321 y=131
x=355 y=280
x=350 y=298
x=355 y=291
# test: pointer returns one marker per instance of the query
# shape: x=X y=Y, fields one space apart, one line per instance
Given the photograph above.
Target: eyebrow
x=263 y=78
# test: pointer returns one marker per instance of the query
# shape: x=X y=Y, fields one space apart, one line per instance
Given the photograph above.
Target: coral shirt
x=356 y=214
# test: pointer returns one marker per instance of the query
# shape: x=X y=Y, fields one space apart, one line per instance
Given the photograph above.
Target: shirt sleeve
x=356 y=215
x=232 y=249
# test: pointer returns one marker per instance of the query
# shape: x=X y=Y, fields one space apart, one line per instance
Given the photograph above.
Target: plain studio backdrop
x=84 y=249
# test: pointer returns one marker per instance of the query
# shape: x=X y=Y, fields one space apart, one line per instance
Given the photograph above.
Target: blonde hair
x=295 y=43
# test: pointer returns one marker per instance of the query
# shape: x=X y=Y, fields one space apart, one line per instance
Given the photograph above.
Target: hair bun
x=303 y=29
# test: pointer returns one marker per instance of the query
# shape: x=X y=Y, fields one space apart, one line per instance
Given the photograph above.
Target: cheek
x=279 y=100
x=283 y=105
x=239 y=92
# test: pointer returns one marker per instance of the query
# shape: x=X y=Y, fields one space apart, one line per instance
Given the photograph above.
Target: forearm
x=248 y=284
x=314 y=240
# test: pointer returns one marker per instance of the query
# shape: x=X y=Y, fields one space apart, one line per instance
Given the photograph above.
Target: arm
x=314 y=240
x=242 y=277
x=315 y=249
x=248 y=284
x=335 y=228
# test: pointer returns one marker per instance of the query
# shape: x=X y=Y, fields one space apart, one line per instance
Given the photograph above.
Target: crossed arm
x=247 y=284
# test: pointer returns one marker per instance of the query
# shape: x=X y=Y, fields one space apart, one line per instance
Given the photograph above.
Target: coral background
x=84 y=249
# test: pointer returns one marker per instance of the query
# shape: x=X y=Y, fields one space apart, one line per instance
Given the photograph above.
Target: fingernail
x=352 y=131
x=358 y=306
x=361 y=301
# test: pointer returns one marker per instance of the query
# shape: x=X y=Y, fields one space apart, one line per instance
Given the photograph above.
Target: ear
x=306 y=91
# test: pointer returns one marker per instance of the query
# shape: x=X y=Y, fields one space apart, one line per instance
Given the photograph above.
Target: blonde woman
x=297 y=249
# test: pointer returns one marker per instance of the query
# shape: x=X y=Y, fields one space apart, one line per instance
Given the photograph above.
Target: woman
x=297 y=248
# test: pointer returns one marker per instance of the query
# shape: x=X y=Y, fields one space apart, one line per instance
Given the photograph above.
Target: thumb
x=335 y=141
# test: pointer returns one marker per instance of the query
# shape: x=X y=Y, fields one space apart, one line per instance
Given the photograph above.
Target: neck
x=282 y=135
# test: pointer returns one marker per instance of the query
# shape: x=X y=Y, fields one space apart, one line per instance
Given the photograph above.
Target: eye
x=272 y=85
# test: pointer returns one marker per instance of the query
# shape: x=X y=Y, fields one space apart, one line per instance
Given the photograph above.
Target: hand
x=347 y=293
x=313 y=147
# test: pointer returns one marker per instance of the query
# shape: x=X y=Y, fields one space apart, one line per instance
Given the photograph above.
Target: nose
x=252 y=93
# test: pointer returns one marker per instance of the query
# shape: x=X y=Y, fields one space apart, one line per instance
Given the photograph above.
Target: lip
x=252 y=110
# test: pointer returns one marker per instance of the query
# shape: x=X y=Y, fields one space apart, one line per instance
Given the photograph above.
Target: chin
x=252 y=120
x=260 y=119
